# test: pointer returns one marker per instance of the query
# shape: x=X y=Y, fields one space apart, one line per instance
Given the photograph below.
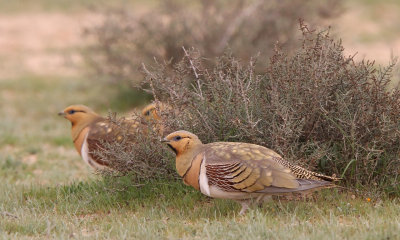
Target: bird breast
x=78 y=142
x=192 y=175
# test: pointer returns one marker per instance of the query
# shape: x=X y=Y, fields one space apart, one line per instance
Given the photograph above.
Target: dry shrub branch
x=316 y=107
x=139 y=154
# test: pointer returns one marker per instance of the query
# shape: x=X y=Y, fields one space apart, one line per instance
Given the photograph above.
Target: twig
x=195 y=72
x=191 y=62
x=151 y=82
x=7 y=214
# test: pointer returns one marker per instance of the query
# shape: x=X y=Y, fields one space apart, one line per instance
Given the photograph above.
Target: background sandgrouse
x=152 y=114
x=90 y=131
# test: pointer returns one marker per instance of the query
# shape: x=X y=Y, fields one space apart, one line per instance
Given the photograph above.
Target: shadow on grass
x=159 y=198
x=118 y=193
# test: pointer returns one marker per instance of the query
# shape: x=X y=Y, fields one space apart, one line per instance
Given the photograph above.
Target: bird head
x=152 y=111
x=185 y=145
x=182 y=141
x=80 y=117
x=77 y=114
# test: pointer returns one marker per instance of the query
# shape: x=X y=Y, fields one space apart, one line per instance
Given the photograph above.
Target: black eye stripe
x=173 y=149
x=177 y=138
x=75 y=111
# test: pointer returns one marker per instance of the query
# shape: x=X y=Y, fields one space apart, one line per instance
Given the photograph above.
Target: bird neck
x=78 y=126
x=184 y=160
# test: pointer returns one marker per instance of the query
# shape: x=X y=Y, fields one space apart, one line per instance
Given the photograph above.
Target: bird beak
x=61 y=114
x=164 y=140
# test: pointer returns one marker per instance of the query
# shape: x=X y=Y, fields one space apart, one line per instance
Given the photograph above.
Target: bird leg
x=262 y=199
x=247 y=203
x=245 y=206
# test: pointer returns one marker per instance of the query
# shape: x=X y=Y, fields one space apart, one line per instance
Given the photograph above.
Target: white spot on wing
x=204 y=187
x=85 y=150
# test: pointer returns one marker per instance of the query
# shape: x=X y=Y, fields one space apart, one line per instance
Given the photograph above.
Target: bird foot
x=245 y=206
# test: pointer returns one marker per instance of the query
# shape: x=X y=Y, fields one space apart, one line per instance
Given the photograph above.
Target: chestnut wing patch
x=245 y=168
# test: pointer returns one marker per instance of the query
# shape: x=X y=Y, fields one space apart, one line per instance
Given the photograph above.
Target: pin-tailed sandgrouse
x=239 y=171
x=90 y=131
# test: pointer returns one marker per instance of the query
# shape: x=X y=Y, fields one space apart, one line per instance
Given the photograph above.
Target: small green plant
x=315 y=107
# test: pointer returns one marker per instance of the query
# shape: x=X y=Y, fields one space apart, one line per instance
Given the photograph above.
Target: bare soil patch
x=372 y=33
x=43 y=43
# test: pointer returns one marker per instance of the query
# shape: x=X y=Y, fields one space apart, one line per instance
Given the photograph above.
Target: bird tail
x=304 y=185
x=327 y=178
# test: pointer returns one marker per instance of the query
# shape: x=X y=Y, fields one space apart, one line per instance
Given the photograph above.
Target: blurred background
x=54 y=53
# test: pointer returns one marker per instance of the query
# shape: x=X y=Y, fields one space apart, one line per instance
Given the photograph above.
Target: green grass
x=114 y=209
x=33 y=138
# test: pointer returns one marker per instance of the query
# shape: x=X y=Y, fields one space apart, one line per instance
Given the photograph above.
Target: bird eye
x=71 y=111
x=147 y=113
x=177 y=138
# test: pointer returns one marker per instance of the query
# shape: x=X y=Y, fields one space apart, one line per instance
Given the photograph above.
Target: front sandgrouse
x=239 y=171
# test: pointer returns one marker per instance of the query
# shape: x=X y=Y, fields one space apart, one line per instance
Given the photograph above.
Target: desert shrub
x=316 y=107
x=139 y=154
x=127 y=38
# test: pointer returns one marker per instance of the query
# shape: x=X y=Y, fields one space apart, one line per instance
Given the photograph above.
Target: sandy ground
x=43 y=43
x=50 y=43
x=371 y=32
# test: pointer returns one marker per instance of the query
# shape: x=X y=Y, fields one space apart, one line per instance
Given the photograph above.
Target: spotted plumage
x=90 y=131
x=240 y=171
x=303 y=173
